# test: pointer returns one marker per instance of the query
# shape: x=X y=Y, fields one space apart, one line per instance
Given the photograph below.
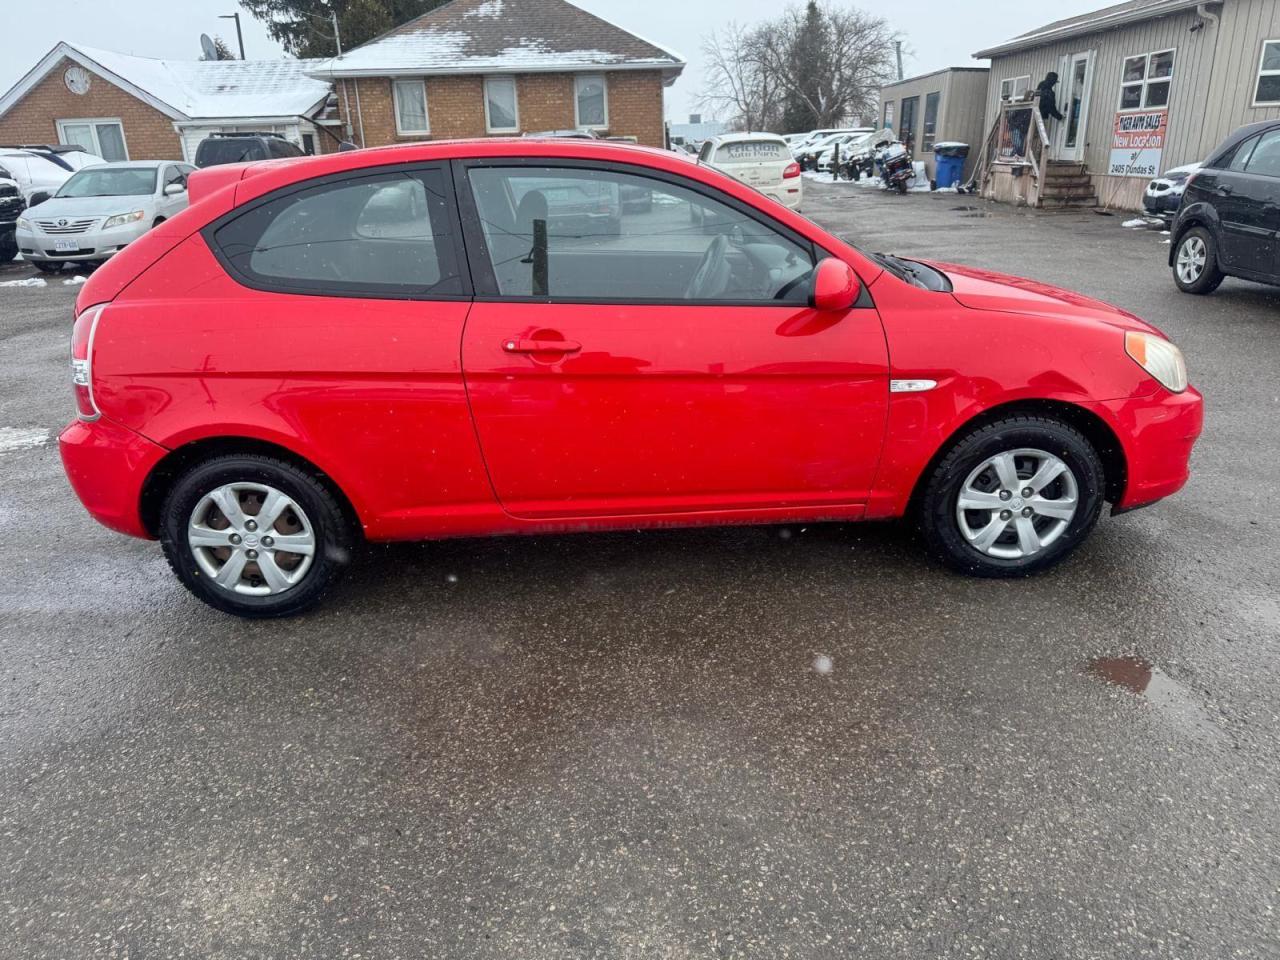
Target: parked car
x=1229 y=220
x=807 y=153
x=11 y=207
x=1163 y=195
x=760 y=160
x=298 y=374
x=848 y=144
x=220 y=148
x=40 y=169
x=100 y=211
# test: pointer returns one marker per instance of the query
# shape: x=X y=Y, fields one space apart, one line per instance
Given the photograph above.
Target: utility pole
x=897 y=46
x=239 y=34
x=337 y=35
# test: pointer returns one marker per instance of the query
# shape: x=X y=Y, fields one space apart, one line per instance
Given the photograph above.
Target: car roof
x=123 y=164
x=739 y=137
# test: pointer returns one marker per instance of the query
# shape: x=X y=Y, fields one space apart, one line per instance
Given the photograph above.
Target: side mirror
x=173 y=189
x=40 y=196
x=835 y=286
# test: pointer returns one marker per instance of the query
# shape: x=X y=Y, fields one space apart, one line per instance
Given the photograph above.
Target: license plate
x=66 y=246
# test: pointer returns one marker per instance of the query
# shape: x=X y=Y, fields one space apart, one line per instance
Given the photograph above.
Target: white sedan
x=760 y=160
x=100 y=210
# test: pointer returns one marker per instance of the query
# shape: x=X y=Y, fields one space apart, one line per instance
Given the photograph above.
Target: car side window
x=1265 y=159
x=1240 y=158
x=174 y=174
x=589 y=234
x=384 y=235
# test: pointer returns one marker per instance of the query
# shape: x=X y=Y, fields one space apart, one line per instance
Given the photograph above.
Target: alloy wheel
x=251 y=538
x=1017 y=503
x=1192 y=256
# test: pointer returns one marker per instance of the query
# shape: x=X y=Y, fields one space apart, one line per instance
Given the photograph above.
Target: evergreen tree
x=305 y=27
x=810 y=54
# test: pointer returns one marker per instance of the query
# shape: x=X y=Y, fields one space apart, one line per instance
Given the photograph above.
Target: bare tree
x=737 y=85
x=817 y=65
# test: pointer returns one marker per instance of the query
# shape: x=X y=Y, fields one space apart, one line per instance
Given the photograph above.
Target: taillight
x=82 y=361
x=793 y=170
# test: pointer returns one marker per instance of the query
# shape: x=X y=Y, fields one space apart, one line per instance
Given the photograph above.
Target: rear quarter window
x=383 y=236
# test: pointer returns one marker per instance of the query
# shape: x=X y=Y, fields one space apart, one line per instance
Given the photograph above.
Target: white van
x=760 y=160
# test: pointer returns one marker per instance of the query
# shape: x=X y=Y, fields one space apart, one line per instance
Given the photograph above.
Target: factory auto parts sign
x=1137 y=143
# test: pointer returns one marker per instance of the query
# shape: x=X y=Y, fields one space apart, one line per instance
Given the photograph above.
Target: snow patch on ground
x=73 y=281
x=28 y=282
x=21 y=438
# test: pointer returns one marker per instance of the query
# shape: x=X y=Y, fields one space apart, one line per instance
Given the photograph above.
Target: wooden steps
x=1067 y=185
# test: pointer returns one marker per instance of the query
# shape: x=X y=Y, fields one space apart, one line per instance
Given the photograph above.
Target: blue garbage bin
x=949 y=163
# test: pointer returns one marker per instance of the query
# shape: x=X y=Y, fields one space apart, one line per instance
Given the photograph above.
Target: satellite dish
x=210 y=51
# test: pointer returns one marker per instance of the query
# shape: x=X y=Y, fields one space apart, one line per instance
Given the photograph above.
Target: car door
x=168 y=203
x=667 y=365
x=1237 y=196
x=1258 y=194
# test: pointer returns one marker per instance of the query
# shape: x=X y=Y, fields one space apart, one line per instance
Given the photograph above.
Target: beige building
x=1144 y=85
x=943 y=106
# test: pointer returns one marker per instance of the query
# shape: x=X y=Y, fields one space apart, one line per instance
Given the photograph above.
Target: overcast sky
x=939 y=33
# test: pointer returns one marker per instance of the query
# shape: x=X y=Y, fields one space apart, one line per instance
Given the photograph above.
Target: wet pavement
x=761 y=742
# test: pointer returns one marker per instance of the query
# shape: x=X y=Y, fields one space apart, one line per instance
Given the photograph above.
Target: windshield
x=219 y=150
x=116 y=182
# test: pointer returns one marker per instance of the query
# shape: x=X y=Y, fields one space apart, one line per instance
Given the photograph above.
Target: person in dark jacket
x=1048 y=99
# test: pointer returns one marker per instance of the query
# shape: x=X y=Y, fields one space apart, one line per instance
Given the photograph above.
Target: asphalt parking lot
x=766 y=742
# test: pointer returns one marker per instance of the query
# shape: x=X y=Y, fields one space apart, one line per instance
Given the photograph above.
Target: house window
x=888 y=115
x=103 y=138
x=411 y=107
x=501 y=114
x=1014 y=88
x=1146 y=80
x=591 y=101
x=929 y=132
x=907 y=122
x=1268 y=89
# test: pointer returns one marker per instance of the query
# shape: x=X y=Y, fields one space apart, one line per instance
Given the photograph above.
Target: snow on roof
x=494 y=36
x=195 y=89
x=1130 y=11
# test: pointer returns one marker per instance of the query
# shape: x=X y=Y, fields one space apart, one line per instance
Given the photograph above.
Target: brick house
x=134 y=108
x=475 y=68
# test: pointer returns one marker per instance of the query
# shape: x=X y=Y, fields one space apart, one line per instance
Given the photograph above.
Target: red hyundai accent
x=490 y=337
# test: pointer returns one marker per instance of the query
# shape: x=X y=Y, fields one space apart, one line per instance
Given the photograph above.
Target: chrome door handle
x=541 y=346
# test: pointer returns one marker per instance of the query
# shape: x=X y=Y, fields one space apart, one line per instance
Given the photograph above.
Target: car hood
x=1001 y=293
x=88 y=206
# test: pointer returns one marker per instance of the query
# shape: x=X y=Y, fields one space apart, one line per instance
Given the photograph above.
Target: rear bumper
x=1158 y=434
x=789 y=193
x=107 y=465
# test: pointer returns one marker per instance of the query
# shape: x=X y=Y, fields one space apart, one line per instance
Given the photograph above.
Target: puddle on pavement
x=1162 y=692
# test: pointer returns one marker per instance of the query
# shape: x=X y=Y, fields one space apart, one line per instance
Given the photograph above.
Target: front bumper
x=107 y=465
x=1162 y=205
x=91 y=245
x=1157 y=434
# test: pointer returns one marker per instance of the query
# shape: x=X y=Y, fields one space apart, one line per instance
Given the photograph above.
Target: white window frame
x=578 y=80
x=1147 y=80
x=93 y=122
x=1014 y=93
x=395 y=106
x=515 y=104
x=1257 y=82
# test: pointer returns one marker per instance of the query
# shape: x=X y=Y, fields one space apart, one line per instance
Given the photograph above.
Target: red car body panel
x=661 y=414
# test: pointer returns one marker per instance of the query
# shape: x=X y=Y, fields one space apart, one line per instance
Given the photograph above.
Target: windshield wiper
x=898 y=267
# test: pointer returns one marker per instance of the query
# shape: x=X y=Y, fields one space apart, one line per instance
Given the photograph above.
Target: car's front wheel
x=48 y=266
x=1195 y=264
x=1013 y=497
x=254 y=536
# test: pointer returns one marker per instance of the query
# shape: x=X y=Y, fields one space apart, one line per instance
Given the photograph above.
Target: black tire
x=8 y=250
x=936 y=507
x=48 y=266
x=1210 y=277
x=332 y=533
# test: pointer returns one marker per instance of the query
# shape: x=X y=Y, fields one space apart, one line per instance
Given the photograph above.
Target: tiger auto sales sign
x=1137 y=143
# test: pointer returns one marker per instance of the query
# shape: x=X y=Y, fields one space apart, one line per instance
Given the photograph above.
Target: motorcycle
x=896 y=168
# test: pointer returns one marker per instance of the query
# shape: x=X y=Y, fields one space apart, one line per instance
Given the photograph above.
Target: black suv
x=222 y=148
x=1229 y=224
x=11 y=205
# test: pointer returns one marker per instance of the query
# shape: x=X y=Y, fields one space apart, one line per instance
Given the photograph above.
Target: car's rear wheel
x=254 y=536
x=1013 y=497
x=1195 y=264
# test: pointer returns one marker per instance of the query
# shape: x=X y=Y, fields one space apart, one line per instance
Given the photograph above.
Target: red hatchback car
x=490 y=337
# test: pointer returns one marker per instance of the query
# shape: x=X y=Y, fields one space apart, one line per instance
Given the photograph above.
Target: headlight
x=123 y=218
x=1158 y=357
x=23 y=223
